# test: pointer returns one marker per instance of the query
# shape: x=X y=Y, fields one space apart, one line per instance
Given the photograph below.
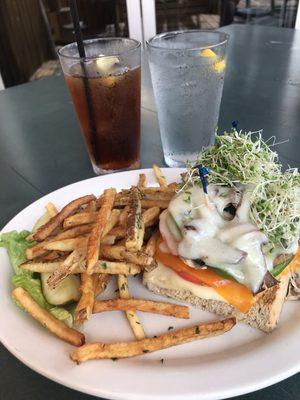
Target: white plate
x=241 y=361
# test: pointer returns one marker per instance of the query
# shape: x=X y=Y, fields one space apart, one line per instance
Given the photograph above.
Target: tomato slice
x=235 y=293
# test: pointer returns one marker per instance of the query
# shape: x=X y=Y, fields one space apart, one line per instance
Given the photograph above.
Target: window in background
x=211 y=14
x=31 y=31
x=97 y=18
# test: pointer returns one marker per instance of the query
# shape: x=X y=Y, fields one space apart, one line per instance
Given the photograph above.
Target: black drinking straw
x=76 y=24
x=82 y=55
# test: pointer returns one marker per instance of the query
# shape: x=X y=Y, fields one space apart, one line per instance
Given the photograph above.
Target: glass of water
x=187 y=71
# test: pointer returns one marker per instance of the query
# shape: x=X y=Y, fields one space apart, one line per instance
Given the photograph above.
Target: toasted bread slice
x=264 y=314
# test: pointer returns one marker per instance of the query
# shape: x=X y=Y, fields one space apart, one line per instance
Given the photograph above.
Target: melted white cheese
x=165 y=278
x=234 y=246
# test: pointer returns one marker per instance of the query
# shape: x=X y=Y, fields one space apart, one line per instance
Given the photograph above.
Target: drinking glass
x=187 y=71
x=105 y=87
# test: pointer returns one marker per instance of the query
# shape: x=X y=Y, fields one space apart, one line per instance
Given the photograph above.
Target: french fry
x=50 y=256
x=173 y=186
x=154 y=194
x=135 y=228
x=46 y=230
x=131 y=315
x=85 y=305
x=96 y=233
x=163 y=204
x=118 y=232
x=51 y=209
x=159 y=176
x=142 y=181
x=138 y=258
x=151 y=245
x=120 y=253
x=42 y=266
x=74 y=261
x=55 y=326
x=123 y=217
x=150 y=216
x=73 y=232
x=116 y=268
x=66 y=244
x=35 y=251
x=91 y=207
x=125 y=200
x=80 y=219
x=113 y=220
x=100 y=283
x=94 y=351
x=155 y=307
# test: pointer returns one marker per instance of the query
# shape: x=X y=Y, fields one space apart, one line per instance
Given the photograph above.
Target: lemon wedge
x=218 y=66
x=105 y=64
x=208 y=53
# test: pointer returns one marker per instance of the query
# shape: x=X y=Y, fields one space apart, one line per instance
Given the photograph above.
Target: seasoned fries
x=96 y=233
x=94 y=351
x=46 y=319
x=124 y=216
x=66 y=244
x=42 y=266
x=116 y=268
x=110 y=224
x=142 y=181
x=86 y=303
x=151 y=245
x=150 y=216
x=120 y=253
x=131 y=315
x=52 y=210
x=100 y=283
x=135 y=227
x=46 y=230
x=159 y=176
x=75 y=260
x=80 y=219
x=149 y=306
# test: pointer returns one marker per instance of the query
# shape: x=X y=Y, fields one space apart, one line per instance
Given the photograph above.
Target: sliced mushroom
x=294 y=286
x=226 y=200
x=268 y=282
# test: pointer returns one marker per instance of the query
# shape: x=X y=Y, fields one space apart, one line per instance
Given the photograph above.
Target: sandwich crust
x=264 y=314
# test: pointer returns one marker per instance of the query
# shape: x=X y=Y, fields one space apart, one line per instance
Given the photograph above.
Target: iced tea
x=106 y=93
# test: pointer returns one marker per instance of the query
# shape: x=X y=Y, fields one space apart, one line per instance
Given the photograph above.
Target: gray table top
x=41 y=150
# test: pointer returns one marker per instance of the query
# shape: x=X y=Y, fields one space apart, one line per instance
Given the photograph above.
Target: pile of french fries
x=99 y=238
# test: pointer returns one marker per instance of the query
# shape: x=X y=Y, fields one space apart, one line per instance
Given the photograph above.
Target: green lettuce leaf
x=15 y=243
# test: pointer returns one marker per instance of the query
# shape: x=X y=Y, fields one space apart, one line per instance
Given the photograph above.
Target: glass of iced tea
x=105 y=87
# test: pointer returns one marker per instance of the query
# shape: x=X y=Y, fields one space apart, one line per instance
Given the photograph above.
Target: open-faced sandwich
x=229 y=240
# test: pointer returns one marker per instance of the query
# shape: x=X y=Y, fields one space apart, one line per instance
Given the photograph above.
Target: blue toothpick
x=202 y=172
x=234 y=124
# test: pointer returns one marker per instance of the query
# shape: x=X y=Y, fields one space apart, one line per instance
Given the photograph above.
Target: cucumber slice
x=66 y=291
x=173 y=227
x=281 y=266
x=223 y=274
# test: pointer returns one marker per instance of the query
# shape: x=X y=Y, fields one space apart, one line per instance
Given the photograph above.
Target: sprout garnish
x=239 y=158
